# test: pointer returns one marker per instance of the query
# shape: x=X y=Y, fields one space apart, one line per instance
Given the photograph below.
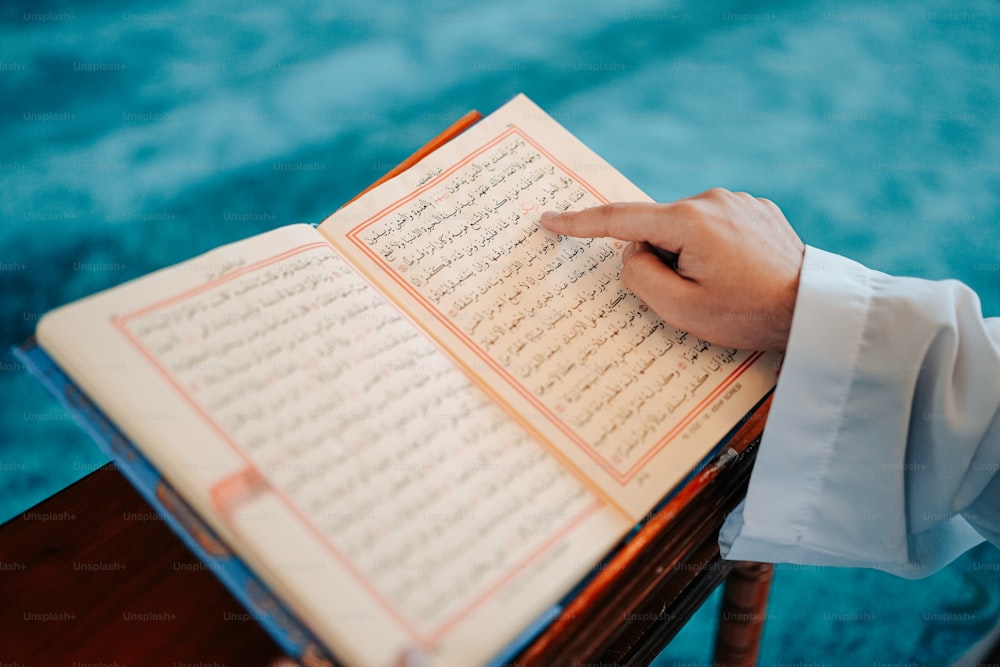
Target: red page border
x=623 y=478
x=239 y=485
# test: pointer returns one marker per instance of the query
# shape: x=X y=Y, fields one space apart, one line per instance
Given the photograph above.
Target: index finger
x=637 y=221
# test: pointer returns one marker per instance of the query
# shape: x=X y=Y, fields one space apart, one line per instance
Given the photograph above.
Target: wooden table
x=93 y=576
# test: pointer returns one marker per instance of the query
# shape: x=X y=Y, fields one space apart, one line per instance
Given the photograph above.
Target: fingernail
x=548 y=215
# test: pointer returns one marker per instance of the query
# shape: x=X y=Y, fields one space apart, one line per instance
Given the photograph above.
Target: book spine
x=289 y=633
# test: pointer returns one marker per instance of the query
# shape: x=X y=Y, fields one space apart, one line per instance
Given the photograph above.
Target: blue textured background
x=136 y=136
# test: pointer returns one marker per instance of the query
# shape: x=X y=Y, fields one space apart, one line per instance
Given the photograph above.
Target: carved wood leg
x=741 y=619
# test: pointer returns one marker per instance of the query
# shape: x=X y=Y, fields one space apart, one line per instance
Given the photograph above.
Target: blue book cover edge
x=283 y=626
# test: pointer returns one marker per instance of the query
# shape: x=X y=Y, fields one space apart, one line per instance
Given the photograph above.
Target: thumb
x=678 y=300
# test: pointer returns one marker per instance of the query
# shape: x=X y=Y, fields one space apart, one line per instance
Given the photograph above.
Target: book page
x=365 y=477
x=543 y=321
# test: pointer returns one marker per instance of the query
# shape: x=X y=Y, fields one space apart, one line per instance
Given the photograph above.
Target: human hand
x=738 y=263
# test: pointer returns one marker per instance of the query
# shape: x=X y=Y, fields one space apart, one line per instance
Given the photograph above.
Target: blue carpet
x=134 y=137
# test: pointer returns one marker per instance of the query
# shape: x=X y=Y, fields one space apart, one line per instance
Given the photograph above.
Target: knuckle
x=717 y=193
x=615 y=218
x=612 y=213
x=613 y=210
x=687 y=209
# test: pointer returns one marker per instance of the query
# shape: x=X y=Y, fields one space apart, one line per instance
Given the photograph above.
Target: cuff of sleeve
x=777 y=516
x=819 y=493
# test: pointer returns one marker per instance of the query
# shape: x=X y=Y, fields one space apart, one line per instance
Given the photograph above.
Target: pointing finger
x=648 y=222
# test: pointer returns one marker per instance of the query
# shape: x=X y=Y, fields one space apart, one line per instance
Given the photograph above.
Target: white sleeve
x=882 y=447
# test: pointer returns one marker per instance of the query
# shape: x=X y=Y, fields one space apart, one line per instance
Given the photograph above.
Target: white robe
x=882 y=448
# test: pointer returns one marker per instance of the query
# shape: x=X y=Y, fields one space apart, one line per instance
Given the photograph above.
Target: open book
x=422 y=423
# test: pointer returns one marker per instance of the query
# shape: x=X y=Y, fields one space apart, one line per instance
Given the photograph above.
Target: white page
x=366 y=478
x=542 y=321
